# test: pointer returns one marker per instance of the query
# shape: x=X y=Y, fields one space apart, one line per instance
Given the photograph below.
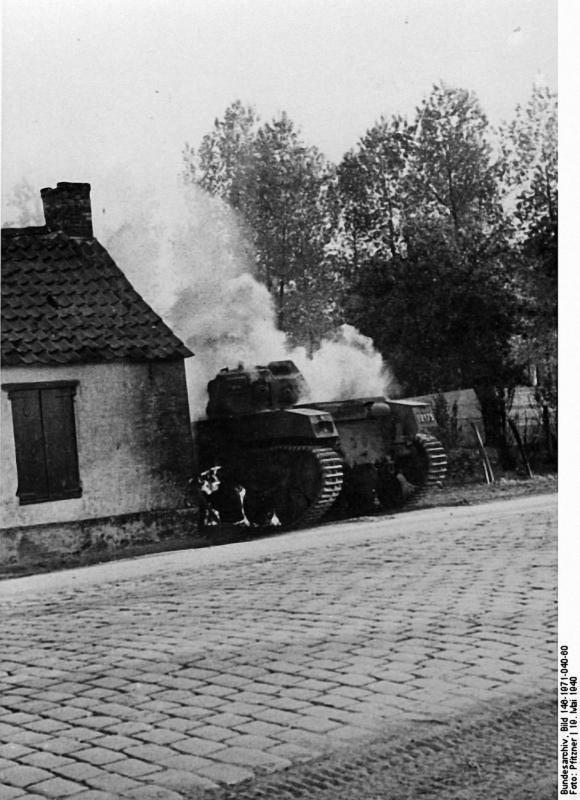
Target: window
x=45 y=441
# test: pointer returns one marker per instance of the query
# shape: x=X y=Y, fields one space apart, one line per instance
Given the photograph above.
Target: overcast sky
x=89 y=85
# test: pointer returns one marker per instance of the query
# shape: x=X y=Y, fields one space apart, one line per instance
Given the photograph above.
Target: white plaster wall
x=133 y=437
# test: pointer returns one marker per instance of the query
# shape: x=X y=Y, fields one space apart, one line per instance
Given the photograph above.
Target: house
x=96 y=446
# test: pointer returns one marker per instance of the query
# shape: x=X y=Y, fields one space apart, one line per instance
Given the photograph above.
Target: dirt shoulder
x=503 y=489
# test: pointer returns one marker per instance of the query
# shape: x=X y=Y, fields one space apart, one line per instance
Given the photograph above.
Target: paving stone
x=63 y=746
x=129 y=728
x=57 y=787
x=215 y=689
x=240 y=709
x=281 y=679
x=195 y=712
x=11 y=792
x=14 y=751
x=37 y=706
x=112 y=782
x=21 y=719
x=227 y=774
x=187 y=763
x=98 y=694
x=45 y=760
x=208 y=701
x=99 y=722
x=259 y=728
x=82 y=734
x=258 y=688
x=231 y=681
x=99 y=755
x=279 y=717
x=31 y=738
x=246 y=757
x=66 y=714
x=116 y=711
x=117 y=742
x=47 y=726
x=160 y=736
x=316 y=724
x=337 y=701
x=183 y=782
x=23 y=775
x=249 y=741
x=286 y=704
x=150 y=752
x=301 y=693
x=197 y=673
x=227 y=720
x=78 y=771
x=179 y=724
x=212 y=732
x=133 y=767
x=108 y=683
x=8 y=731
x=197 y=747
x=353 y=679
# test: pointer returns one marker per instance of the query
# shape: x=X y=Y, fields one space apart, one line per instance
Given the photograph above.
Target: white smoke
x=346 y=366
x=187 y=254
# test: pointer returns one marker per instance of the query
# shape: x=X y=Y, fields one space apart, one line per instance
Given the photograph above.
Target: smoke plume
x=187 y=254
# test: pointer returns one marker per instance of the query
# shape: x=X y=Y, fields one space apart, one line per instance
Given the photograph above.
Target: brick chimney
x=68 y=208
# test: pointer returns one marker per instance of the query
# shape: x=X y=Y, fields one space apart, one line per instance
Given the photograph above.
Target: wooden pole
x=521 y=447
x=489 y=477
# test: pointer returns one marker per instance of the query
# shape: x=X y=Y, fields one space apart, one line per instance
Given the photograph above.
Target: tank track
x=436 y=466
x=328 y=465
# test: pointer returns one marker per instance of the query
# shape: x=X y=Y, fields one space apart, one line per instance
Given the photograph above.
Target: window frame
x=70 y=469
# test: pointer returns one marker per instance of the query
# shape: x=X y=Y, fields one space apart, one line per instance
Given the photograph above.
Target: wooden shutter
x=29 y=442
x=45 y=441
x=60 y=441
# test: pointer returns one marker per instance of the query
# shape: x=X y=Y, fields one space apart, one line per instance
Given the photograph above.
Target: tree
x=370 y=185
x=452 y=174
x=529 y=146
x=279 y=186
x=225 y=154
x=435 y=289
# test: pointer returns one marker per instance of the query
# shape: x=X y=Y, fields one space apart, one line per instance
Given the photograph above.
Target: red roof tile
x=65 y=301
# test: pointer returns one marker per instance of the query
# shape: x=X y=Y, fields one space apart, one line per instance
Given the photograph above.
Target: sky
x=91 y=86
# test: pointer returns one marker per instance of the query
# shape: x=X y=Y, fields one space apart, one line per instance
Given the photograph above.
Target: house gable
x=65 y=301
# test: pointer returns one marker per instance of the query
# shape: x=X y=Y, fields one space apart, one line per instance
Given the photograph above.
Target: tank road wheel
x=415 y=473
x=309 y=480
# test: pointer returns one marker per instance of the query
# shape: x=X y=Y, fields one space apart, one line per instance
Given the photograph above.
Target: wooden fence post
x=521 y=447
x=489 y=477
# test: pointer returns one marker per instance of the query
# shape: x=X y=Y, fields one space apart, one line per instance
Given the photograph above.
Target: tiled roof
x=65 y=301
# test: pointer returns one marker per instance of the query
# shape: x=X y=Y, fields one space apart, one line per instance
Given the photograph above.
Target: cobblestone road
x=171 y=676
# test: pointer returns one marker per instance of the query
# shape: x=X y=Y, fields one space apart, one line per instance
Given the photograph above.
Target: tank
x=299 y=460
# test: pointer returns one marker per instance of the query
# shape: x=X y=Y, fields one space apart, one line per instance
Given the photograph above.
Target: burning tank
x=299 y=460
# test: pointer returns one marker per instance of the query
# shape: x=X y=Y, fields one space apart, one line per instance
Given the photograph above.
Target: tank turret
x=278 y=385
